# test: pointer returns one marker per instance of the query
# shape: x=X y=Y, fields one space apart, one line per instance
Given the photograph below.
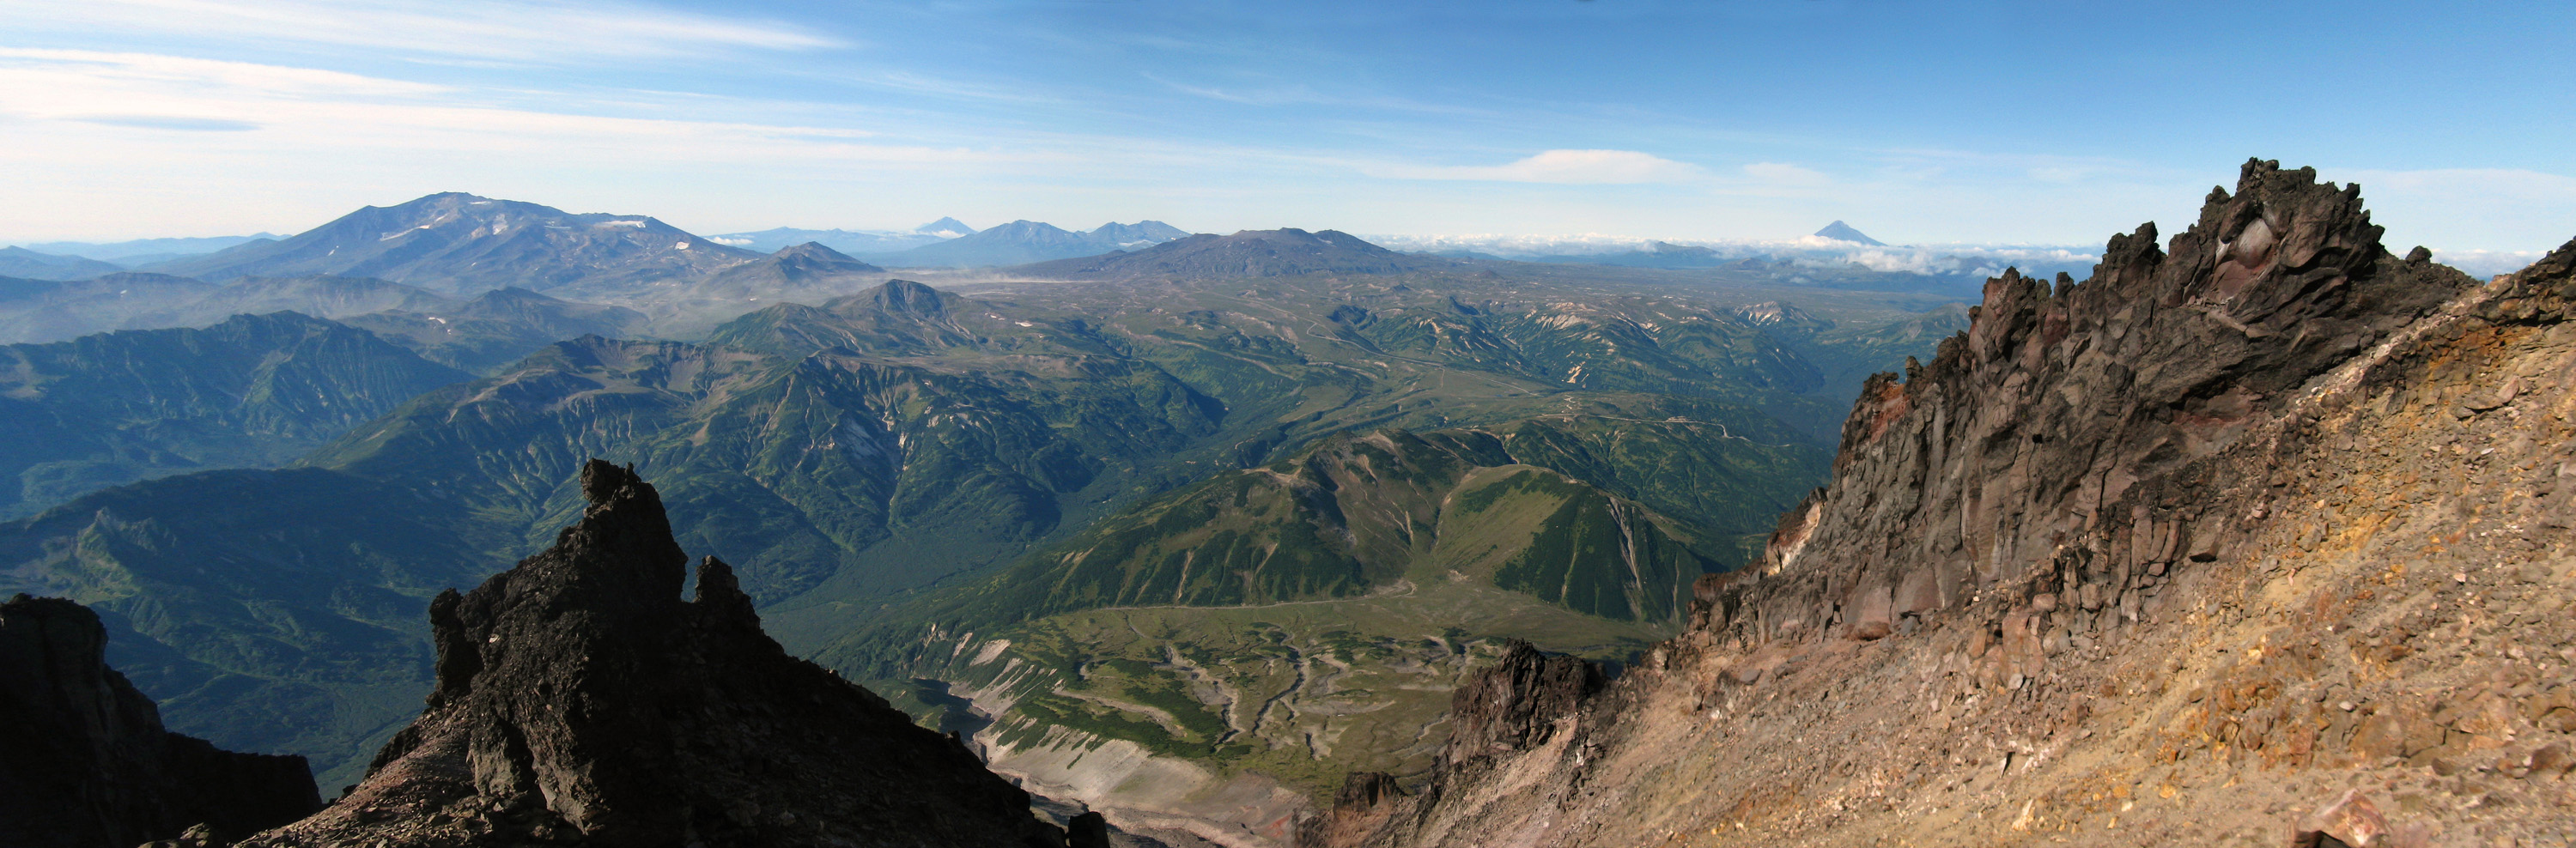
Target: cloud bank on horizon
x=1742 y=123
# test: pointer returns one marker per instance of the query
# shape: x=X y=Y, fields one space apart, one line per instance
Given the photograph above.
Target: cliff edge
x=2257 y=538
x=580 y=701
x=85 y=762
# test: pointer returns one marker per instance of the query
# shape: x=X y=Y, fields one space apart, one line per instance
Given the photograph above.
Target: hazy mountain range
x=864 y=447
x=285 y=447
x=848 y=241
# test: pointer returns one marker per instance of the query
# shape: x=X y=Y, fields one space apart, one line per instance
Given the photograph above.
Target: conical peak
x=813 y=250
x=908 y=297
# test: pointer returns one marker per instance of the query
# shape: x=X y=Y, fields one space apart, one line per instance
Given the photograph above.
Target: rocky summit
x=2258 y=538
x=85 y=763
x=580 y=701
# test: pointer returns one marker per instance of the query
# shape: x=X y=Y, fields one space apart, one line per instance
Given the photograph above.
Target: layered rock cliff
x=581 y=701
x=85 y=763
x=2257 y=538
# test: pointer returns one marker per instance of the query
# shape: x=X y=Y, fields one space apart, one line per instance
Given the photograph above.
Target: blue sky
x=1992 y=122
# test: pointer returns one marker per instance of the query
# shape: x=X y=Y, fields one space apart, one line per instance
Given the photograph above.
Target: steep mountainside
x=580 y=701
x=1254 y=635
x=1021 y=242
x=1354 y=514
x=2268 y=524
x=27 y=264
x=1250 y=253
x=85 y=763
x=458 y=243
x=257 y=390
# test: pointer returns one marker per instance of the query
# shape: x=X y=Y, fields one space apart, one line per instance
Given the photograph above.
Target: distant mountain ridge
x=138 y=252
x=478 y=334
x=456 y=243
x=1024 y=241
x=32 y=265
x=847 y=241
x=1248 y=253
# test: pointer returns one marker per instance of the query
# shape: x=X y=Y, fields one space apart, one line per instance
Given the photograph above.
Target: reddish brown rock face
x=2171 y=556
x=581 y=701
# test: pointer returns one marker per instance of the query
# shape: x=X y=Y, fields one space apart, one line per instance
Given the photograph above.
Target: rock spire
x=581 y=701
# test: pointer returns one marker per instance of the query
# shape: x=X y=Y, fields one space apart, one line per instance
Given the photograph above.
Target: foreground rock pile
x=85 y=763
x=580 y=701
x=2260 y=541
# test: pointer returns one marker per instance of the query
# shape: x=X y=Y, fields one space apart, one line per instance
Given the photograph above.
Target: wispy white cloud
x=2466 y=214
x=543 y=31
x=1783 y=173
x=1971 y=259
x=1583 y=167
x=340 y=114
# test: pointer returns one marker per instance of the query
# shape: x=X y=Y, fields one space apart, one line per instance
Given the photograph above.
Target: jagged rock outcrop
x=85 y=763
x=581 y=701
x=1366 y=804
x=2174 y=555
x=1514 y=705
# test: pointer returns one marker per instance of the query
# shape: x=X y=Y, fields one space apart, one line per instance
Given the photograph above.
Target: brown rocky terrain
x=2260 y=540
x=85 y=763
x=580 y=701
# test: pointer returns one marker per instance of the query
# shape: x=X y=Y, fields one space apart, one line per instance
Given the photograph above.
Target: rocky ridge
x=2258 y=540
x=85 y=763
x=580 y=701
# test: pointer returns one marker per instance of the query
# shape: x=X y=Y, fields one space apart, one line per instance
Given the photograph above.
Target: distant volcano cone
x=1840 y=231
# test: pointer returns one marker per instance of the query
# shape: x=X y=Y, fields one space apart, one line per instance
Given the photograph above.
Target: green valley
x=1387 y=470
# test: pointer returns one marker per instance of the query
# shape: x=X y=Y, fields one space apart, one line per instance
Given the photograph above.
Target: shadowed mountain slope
x=256 y=391
x=85 y=763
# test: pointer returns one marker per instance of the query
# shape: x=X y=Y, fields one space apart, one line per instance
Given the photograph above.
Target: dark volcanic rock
x=1089 y=830
x=1514 y=705
x=2270 y=498
x=2071 y=411
x=83 y=758
x=580 y=700
x=1366 y=804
